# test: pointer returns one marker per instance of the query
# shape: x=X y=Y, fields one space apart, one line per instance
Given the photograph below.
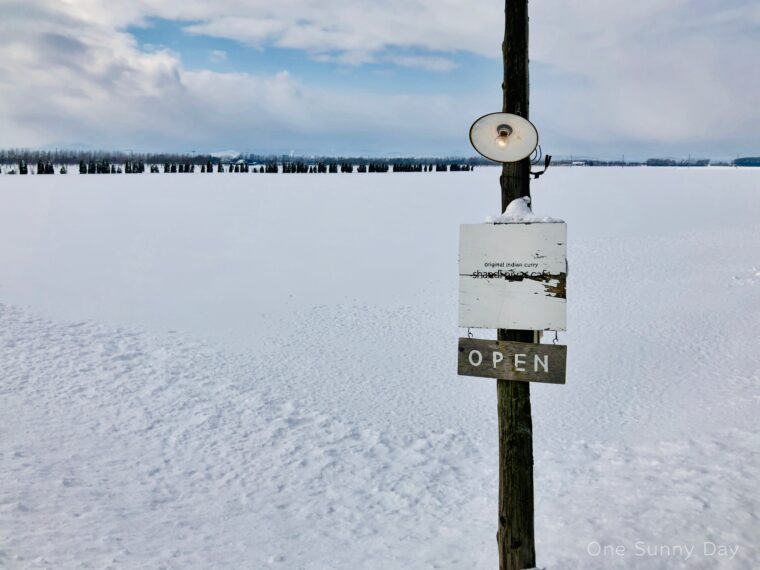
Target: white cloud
x=217 y=56
x=683 y=73
x=358 y=26
x=66 y=78
x=431 y=63
x=659 y=74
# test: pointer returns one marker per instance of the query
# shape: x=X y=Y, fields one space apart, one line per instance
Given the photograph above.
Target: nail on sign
x=509 y=360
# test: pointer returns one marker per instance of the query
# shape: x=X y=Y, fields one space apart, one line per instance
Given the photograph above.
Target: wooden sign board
x=513 y=276
x=507 y=360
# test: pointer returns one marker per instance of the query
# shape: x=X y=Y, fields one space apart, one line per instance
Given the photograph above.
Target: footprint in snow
x=750 y=278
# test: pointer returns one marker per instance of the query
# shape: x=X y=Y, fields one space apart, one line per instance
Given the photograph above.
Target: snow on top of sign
x=518 y=212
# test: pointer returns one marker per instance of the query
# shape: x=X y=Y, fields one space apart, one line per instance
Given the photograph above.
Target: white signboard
x=513 y=276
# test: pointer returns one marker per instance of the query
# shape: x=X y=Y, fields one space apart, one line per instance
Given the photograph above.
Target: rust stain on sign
x=558 y=290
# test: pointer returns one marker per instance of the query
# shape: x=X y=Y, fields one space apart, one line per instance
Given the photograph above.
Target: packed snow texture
x=199 y=372
x=518 y=211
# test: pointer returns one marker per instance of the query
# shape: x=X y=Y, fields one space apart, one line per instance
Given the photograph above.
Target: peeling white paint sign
x=513 y=276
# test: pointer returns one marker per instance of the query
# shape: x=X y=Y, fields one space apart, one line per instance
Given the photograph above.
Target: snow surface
x=242 y=371
x=518 y=211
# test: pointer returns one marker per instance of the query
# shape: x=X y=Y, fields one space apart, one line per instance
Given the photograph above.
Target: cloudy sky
x=608 y=77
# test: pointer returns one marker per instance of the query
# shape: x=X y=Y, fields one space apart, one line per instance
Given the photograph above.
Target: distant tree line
x=747 y=161
x=673 y=162
x=291 y=167
x=16 y=155
x=25 y=161
x=22 y=161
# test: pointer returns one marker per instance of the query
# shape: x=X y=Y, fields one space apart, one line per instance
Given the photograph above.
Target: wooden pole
x=515 y=536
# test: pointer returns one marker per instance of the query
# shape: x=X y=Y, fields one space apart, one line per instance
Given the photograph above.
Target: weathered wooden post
x=515 y=536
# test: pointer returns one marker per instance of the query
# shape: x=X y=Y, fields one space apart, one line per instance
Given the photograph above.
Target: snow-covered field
x=252 y=371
